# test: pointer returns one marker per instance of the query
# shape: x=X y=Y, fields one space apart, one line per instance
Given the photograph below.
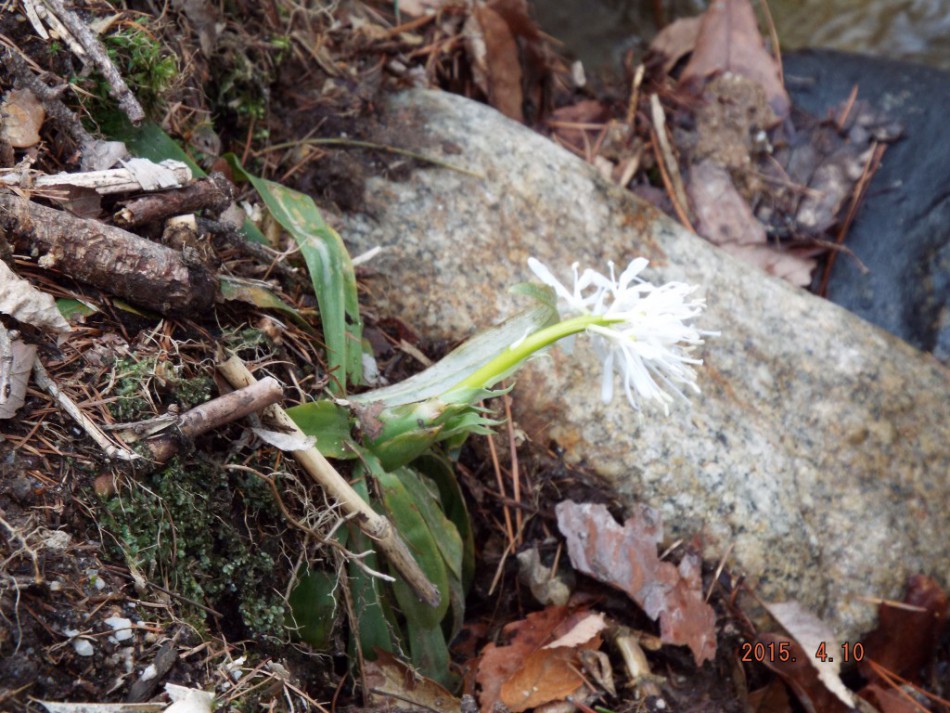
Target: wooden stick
x=140 y=271
x=43 y=380
x=212 y=414
x=377 y=527
x=666 y=162
x=100 y=58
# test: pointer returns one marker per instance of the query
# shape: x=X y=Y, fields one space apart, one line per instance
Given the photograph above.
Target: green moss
x=146 y=65
x=199 y=531
x=142 y=385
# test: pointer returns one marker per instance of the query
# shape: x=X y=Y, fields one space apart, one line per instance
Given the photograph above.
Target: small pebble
x=121 y=627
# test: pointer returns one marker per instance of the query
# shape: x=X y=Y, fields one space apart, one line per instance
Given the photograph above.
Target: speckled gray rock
x=820 y=447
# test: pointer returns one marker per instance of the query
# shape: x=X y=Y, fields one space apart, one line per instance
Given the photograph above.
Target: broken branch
x=138 y=270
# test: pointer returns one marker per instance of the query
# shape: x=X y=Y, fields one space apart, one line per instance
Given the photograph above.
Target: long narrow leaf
x=331 y=271
x=374 y=624
x=464 y=360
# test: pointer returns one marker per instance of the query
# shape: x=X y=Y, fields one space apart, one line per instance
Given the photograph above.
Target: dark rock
x=902 y=231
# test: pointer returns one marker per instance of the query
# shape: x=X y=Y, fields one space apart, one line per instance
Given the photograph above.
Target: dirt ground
x=115 y=580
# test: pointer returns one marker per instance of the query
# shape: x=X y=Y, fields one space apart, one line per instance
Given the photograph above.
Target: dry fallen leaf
x=773 y=698
x=801 y=676
x=508 y=58
x=813 y=635
x=529 y=671
x=21 y=116
x=493 y=51
x=889 y=700
x=394 y=684
x=20 y=300
x=14 y=377
x=626 y=558
x=906 y=636
x=729 y=41
x=794 y=265
x=722 y=215
x=676 y=40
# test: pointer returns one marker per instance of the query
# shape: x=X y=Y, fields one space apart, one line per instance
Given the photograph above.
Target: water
x=600 y=31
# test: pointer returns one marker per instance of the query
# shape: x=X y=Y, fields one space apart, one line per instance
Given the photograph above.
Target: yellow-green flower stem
x=494 y=370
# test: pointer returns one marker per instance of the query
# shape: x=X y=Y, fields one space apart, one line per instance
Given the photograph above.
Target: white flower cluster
x=644 y=335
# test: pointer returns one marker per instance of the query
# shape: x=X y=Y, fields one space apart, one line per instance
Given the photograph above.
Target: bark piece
x=212 y=414
x=213 y=193
x=144 y=687
x=137 y=174
x=130 y=267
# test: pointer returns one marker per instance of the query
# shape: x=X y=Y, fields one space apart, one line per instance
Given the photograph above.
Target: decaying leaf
x=773 y=698
x=801 y=676
x=15 y=370
x=794 y=265
x=547 y=586
x=566 y=119
x=729 y=41
x=493 y=50
x=393 y=683
x=907 y=633
x=20 y=300
x=626 y=558
x=540 y=664
x=507 y=58
x=676 y=40
x=813 y=635
x=21 y=116
x=722 y=215
x=889 y=700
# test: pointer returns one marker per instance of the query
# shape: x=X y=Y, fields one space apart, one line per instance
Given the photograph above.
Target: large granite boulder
x=820 y=447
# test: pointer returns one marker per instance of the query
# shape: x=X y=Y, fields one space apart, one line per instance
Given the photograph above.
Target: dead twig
x=666 y=162
x=857 y=197
x=48 y=96
x=377 y=527
x=113 y=450
x=214 y=193
x=137 y=175
x=213 y=414
x=138 y=270
x=118 y=89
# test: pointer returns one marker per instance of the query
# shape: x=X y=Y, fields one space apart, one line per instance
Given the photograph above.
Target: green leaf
x=313 y=608
x=429 y=502
x=544 y=294
x=331 y=271
x=430 y=653
x=423 y=623
x=405 y=447
x=255 y=293
x=439 y=470
x=404 y=512
x=463 y=361
x=374 y=624
x=74 y=309
x=329 y=423
x=148 y=140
